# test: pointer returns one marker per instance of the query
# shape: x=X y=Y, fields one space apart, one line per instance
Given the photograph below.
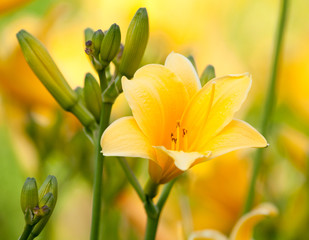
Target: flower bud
x=50 y=185
x=92 y=95
x=110 y=45
x=46 y=70
x=208 y=74
x=135 y=44
x=29 y=196
x=88 y=33
x=97 y=39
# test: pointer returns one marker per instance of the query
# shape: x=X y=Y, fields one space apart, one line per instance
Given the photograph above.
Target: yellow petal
x=213 y=107
x=183 y=68
x=157 y=98
x=236 y=135
x=244 y=228
x=124 y=138
x=207 y=235
x=183 y=160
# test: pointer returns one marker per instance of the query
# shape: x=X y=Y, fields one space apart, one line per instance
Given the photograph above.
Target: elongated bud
x=50 y=185
x=135 y=43
x=110 y=45
x=97 y=39
x=46 y=70
x=92 y=94
x=88 y=33
x=208 y=74
x=29 y=196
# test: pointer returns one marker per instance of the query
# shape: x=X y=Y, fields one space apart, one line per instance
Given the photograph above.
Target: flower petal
x=124 y=138
x=236 y=135
x=244 y=227
x=183 y=160
x=207 y=235
x=157 y=98
x=213 y=107
x=183 y=68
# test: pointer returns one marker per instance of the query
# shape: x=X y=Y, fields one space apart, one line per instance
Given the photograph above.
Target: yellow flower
x=243 y=229
x=176 y=123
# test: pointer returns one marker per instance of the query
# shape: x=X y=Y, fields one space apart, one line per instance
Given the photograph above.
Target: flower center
x=180 y=139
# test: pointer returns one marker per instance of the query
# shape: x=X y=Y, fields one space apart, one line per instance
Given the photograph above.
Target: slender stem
x=165 y=193
x=27 y=230
x=151 y=228
x=97 y=185
x=132 y=179
x=269 y=104
x=152 y=221
x=103 y=81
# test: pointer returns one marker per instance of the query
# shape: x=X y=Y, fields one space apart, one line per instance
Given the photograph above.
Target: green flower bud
x=29 y=195
x=50 y=185
x=97 y=39
x=88 y=33
x=110 y=45
x=135 y=44
x=46 y=70
x=208 y=74
x=92 y=94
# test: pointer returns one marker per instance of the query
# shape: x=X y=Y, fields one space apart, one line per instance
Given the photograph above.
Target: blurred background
x=37 y=138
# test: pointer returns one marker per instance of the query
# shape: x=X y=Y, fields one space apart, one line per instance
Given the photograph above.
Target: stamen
x=177 y=135
x=185 y=139
x=174 y=140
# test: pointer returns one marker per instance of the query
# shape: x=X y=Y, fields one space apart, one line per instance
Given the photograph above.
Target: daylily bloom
x=243 y=229
x=176 y=123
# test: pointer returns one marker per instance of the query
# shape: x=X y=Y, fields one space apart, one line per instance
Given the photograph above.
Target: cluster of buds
x=38 y=205
x=103 y=47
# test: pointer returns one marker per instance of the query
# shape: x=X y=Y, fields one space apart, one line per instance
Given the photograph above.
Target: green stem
x=151 y=228
x=269 y=104
x=103 y=81
x=165 y=193
x=97 y=185
x=131 y=178
x=152 y=221
x=27 y=230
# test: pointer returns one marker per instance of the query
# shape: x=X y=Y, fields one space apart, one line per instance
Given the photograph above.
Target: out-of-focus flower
x=243 y=229
x=176 y=123
x=222 y=194
x=295 y=145
x=6 y=5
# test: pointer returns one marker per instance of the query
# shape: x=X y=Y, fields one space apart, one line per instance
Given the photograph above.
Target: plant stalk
x=97 y=185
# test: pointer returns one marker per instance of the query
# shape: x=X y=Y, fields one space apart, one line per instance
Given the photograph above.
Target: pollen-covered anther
x=185 y=139
x=173 y=143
